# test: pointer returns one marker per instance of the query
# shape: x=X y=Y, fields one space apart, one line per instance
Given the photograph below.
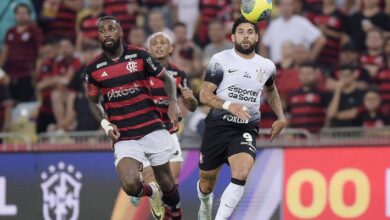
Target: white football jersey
x=239 y=80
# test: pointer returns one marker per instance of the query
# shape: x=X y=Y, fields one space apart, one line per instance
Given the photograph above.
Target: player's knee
x=241 y=173
x=131 y=187
x=206 y=187
x=166 y=183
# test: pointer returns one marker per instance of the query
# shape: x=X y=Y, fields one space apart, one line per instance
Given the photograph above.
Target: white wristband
x=226 y=105
x=106 y=125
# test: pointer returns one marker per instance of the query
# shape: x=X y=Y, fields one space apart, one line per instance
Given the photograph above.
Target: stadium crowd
x=332 y=56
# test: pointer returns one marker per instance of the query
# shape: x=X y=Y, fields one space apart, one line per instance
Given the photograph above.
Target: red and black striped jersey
x=46 y=71
x=124 y=86
x=382 y=79
x=307 y=109
x=160 y=97
x=63 y=24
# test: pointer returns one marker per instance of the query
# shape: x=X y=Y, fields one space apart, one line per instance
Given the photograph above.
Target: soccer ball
x=256 y=10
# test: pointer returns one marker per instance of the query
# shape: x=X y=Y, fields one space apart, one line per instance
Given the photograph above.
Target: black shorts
x=219 y=143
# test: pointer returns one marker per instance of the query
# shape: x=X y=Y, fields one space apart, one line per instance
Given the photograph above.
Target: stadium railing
x=290 y=137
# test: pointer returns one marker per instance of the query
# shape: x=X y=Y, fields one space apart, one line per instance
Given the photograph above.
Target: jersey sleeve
x=92 y=85
x=214 y=72
x=151 y=66
x=271 y=79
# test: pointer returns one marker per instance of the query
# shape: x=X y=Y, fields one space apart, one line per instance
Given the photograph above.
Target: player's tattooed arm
x=208 y=97
x=169 y=86
x=273 y=98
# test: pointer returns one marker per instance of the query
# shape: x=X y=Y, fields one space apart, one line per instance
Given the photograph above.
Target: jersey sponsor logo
x=242 y=94
x=234 y=119
x=117 y=93
x=232 y=70
x=150 y=62
x=131 y=66
x=172 y=73
x=130 y=56
x=104 y=74
x=101 y=64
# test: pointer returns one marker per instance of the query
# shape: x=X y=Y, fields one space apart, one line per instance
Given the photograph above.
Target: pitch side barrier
x=290 y=137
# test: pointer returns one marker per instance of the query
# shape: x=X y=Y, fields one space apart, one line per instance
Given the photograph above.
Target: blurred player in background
x=233 y=84
x=120 y=74
x=160 y=47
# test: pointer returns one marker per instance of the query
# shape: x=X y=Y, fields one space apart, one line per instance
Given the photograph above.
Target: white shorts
x=156 y=147
x=177 y=154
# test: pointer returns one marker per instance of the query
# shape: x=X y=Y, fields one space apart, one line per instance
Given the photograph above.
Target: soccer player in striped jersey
x=160 y=47
x=130 y=118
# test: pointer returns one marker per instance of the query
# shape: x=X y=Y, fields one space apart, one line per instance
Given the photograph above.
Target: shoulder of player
x=224 y=55
x=266 y=62
x=94 y=64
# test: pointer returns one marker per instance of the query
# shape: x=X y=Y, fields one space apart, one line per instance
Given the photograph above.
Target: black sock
x=172 y=199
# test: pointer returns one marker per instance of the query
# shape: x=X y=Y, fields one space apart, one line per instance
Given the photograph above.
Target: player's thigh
x=240 y=165
x=208 y=178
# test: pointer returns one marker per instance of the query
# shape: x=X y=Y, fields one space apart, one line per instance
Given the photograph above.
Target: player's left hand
x=174 y=112
x=277 y=127
x=185 y=92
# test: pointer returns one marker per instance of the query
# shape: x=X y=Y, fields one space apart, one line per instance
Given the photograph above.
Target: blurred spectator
x=187 y=55
x=126 y=11
x=19 y=53
x=187 y=12
x=307 y=105
x=7 y=16
x=382 y=79
x=209 y=10
x=81 y=113
x=58 y=17
x=310 y=8
x=164 y=6
x=194 y=127
x=267 y=114
x=370 y=17
x=332 y=23
x=6 y=103
x=229 y=14
x=218 y=41
x=371 y=116
x=347 y=99
x=349 y=56
x=86 y=30
x=373 y=59
x=294 y=28
x=156 y=23
x=63 y=96
x=46 y=82
x=137 y=37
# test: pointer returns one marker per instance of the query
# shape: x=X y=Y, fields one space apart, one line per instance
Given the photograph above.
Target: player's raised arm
x=273 y=99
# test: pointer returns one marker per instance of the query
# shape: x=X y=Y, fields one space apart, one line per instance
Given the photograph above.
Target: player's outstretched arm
x=208 y=97
x=174 y=112
x=189 y=98
x=273 y=99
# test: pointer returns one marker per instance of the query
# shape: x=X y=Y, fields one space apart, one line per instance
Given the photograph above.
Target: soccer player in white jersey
x=234 y=81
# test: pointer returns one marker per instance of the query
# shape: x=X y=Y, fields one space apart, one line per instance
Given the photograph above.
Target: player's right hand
x=114 y=134
x=239 y=111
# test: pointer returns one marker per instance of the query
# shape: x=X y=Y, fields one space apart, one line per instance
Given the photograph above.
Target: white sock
x=229 y=200
x=203 y=197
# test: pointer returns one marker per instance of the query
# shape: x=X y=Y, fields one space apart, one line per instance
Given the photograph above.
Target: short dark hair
x=108 y=18
x=241 y=20
x=22 y=5
x=179 y=24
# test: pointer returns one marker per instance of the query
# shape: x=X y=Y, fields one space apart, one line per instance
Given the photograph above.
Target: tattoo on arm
x=191 y=104
x=208 y=177
x=273 y=99
x=208 y=97
x=169 y=86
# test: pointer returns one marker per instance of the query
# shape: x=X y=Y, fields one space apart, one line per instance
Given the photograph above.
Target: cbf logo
x=61 y=192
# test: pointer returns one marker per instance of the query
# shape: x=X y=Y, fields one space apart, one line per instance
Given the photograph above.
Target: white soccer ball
x=256 y=10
